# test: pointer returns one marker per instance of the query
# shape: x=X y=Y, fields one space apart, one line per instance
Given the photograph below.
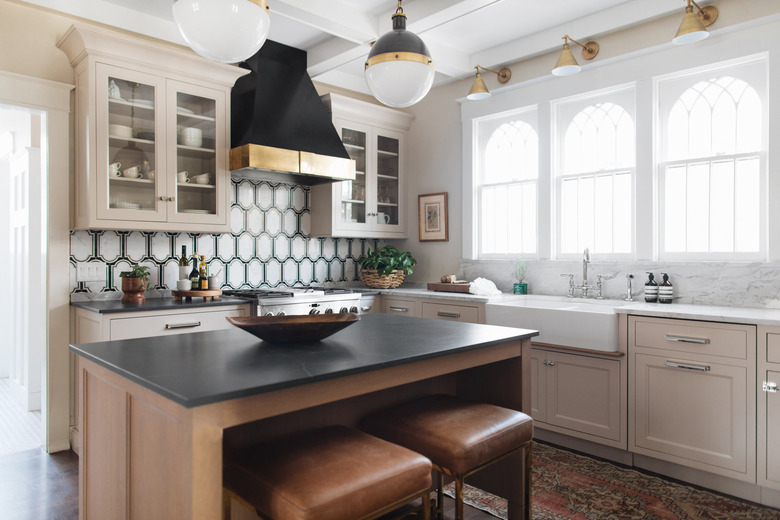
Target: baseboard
x=591 y=448
x=59 y=445
x=75 y=440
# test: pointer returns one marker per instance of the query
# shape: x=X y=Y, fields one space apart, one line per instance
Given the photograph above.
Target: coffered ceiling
x=459 y=33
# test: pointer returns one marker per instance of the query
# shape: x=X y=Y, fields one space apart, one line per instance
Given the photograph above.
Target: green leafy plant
x=387 y=259
x=137 y=271
x=520 y=266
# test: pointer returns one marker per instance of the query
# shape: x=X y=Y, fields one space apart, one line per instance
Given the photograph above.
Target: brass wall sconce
x=694 y=25
x=567 y=65
x=479 y=90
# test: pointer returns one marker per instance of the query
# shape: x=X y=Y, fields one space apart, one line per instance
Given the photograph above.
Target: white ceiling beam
x=582 y=29
x=332 y=54
x=333 y=17
x=424 y=15
x=344 y=80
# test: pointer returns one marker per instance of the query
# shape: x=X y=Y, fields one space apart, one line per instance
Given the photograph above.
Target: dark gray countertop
x=208 y=367
x=155 y=304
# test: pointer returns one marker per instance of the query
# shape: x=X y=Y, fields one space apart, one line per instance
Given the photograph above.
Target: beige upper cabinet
x=768 y=397
x=374 y=204
x=152 y=134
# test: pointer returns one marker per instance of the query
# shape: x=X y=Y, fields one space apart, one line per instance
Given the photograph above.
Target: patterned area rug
x=570 y=486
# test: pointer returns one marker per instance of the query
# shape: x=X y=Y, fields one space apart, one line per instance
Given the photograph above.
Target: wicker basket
x=372 y=279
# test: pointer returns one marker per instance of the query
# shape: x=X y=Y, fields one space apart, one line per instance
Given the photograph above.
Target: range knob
x=328 y=311
x=314 y=311
x=281 y=313
x=354 y=309
x=343 y=310
x=269 y=313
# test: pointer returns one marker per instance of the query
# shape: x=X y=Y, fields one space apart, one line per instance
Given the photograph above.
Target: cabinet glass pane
x=387 y=180
x=353 y=193
x=196 y=154
x=131 y=145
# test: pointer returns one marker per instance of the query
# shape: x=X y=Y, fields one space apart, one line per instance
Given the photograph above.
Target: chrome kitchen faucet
x=584 y=287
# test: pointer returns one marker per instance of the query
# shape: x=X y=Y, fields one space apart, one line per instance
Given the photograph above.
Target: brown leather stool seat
x=460 y=437
x=332 y=473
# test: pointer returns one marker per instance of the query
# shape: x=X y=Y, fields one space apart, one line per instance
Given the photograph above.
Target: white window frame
x=484 y=128
x=563 y=112
x=753 y=70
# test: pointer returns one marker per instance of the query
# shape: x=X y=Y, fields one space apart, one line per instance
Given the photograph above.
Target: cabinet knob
x=171 y=199
x=549 y=363
x=163 y=198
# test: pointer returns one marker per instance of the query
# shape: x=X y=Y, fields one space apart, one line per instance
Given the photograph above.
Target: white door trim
x=52 y=99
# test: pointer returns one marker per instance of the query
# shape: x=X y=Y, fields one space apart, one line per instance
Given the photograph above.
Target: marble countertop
x=208 y=367
x=155 y=304
x=746 y=315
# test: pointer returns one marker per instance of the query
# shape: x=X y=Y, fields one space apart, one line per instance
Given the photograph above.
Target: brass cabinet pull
x=688 y=366
x=182 y=325
x=448 y=314
x=399 y=309
x=688 y=339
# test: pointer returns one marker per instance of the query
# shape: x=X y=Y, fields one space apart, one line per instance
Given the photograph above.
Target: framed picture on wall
x=432 y=216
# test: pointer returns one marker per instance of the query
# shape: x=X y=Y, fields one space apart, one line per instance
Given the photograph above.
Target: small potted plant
x=385 y=268
x=134 y=283
x=520 y=287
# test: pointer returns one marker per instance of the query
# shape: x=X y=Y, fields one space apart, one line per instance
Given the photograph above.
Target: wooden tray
x=208 y=294
x=462 y=287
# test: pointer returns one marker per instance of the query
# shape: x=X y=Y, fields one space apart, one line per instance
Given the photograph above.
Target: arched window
x=711 y=173
x=595 y=174
x=507 y=187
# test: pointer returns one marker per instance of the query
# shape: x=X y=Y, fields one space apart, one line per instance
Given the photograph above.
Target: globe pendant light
x=228 y=31
x=399 y=69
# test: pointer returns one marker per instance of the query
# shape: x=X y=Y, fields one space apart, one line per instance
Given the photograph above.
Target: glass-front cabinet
x=371 y=206
x=152 y=141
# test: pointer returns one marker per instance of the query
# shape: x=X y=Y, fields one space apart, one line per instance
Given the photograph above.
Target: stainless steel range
x=292 y=301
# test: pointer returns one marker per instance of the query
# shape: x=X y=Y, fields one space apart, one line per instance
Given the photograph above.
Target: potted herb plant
x=386 y=267
x=520 y=287
x=134 y=283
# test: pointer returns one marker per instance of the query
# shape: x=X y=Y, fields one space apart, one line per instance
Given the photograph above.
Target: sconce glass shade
x=399 y=69
x=478 y=90
x=228 y=31
x=691 y=29
x=566 y=65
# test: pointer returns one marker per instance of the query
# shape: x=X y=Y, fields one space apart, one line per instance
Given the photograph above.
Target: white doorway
x=34 y=231
x=23 y=216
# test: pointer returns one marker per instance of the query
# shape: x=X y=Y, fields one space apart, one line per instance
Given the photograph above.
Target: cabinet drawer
x=167 y=324
x=441 y=311
x=773 y=348
x=713 y=339
x=401 y=306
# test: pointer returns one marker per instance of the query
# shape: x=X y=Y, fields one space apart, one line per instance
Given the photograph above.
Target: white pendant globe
x=400 y=83
x=227 y=31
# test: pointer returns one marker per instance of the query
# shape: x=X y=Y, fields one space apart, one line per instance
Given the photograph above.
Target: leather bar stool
x=332 y=473
x=460 y=437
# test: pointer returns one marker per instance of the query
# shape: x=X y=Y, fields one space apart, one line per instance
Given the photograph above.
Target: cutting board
x=461 y=287
x=208 y=294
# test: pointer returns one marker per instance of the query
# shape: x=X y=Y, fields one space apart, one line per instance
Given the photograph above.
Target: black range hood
x=280 y=129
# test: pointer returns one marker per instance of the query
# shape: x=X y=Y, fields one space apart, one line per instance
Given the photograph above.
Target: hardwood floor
x=38 y=486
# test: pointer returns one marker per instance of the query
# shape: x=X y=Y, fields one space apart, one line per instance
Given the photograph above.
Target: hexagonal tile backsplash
x=268 y=246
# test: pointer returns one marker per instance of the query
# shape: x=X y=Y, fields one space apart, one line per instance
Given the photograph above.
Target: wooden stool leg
x=528 y=491
x=440 y=497
x=426 y=505
x=458 y=498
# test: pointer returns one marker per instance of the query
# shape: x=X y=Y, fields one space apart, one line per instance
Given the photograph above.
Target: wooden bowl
x=294 y=329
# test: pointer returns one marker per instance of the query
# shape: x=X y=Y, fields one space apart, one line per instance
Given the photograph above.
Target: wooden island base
x=145 y=457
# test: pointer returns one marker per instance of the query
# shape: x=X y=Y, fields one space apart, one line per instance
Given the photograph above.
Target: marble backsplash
x=708 y=283
x=268 y=246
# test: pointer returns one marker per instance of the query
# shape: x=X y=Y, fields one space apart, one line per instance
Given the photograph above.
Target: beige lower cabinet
x=768 y=397
x=400 y=306
x=437 y=309
x=692 y=397
x=452 y=312
x=90 y=326
x=579 y=394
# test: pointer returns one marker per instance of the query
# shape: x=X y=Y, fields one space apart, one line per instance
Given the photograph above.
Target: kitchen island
x=157 y=413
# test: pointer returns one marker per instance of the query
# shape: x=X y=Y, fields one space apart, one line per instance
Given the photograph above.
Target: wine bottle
x=194 y=274
x=203 y=274
x=184 y=265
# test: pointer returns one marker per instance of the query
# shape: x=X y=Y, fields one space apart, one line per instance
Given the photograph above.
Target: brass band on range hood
x=304 y=167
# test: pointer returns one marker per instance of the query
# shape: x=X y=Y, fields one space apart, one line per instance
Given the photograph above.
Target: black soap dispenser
x=651 y=289
x=665 y=290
